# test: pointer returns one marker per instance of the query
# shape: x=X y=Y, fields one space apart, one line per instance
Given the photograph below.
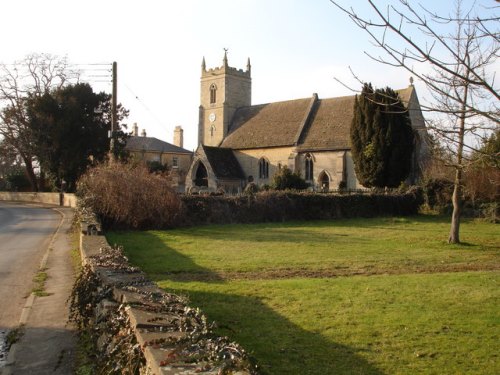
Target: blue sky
x=296 y=48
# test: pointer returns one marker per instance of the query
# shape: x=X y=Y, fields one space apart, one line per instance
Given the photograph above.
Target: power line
x=136 y=97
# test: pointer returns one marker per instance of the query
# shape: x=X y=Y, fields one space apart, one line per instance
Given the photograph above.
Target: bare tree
x=34 y=75
x=454 y=56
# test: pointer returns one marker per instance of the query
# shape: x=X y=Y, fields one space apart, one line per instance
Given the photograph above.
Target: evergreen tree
x=69 y=128
x=381 y=138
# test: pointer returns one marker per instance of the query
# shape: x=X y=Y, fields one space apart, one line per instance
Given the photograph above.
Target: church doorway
x=201 y=176
x=324 y=182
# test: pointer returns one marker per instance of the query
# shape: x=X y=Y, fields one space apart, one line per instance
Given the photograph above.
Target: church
x=241 y=143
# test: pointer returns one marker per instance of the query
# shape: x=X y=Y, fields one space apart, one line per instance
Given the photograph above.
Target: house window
x=175 y=162
x=309 y=168
x=213 y=93
x=263 y=168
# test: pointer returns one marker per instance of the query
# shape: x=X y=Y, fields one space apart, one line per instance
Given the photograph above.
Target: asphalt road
x=25 y=234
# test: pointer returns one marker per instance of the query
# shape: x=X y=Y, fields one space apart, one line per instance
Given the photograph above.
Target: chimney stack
x=135 y=130
x=143 y=133
x=178 y=136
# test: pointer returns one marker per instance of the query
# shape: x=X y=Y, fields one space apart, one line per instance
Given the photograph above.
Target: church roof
x=330 y=125
x=266 y=125
x=309 y=124
x=223 y=162
x=135 y=143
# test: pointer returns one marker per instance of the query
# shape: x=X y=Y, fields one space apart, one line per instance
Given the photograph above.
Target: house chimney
x=135 y=130
x=178 y=136
x=143 y=133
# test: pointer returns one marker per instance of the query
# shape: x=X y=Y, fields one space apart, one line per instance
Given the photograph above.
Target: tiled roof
x=266 y=125
x=280 y=124
x=223 y=162
x=330 y=125
x=135 y=143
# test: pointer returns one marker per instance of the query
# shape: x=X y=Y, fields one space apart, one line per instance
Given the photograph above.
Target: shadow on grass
x=299 y=230
x=279 y=346
x=155 y=256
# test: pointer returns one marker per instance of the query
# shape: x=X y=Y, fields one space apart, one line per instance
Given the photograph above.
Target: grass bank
x=297 y=295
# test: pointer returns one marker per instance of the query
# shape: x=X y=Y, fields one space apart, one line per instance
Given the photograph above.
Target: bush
x=16 y=180
x=438 y=192
x=156 y=167
x=286 y=180
x=127 y=196
x=276 y=206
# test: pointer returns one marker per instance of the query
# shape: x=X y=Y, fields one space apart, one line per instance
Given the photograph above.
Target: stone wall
x=68 y=200
x=172 y=337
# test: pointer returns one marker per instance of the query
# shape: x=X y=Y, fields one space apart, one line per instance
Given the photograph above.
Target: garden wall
x=137 y=328
x=68 y=200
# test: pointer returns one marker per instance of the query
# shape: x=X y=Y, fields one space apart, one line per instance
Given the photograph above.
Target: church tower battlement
x=222 y=90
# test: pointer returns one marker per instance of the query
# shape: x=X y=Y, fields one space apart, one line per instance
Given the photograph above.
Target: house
x=153 y=150
x=241 y=143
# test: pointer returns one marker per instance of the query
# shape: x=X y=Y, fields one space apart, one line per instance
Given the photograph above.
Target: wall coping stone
x=147 y=326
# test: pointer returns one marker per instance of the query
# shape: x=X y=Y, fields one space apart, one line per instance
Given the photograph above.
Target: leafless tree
x=454 y=56
x=34 y=75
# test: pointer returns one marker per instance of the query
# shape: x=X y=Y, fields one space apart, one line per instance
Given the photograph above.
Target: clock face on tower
x=211 y=117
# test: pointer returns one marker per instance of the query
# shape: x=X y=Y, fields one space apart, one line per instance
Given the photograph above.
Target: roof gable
x=223 y=162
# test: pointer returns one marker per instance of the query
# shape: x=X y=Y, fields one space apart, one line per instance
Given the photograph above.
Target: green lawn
x=365 y=296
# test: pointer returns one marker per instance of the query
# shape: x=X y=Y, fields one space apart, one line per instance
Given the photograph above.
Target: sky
x=296 y=48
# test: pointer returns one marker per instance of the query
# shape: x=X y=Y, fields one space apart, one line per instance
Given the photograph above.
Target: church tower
x=223 y=90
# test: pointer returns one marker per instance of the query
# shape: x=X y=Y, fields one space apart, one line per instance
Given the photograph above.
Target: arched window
x=309 y=168
x=213 y=93
x=324 y=181
x=263 y=168
x=201 y=178
x=212 y=130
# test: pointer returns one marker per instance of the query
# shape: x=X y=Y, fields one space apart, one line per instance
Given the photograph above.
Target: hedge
x=277 y=206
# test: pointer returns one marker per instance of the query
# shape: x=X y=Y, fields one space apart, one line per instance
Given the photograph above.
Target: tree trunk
x=454 y=236
x=457 y=208
x=30 y=173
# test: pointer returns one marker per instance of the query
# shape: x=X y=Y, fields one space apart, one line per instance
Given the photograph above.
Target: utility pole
x=114 y=114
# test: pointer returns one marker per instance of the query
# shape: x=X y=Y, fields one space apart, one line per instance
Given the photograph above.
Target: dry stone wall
x=159 y=333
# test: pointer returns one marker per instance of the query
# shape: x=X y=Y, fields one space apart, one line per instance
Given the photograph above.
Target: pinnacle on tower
x=249 y=67
x=224 y=61
x=203 y=65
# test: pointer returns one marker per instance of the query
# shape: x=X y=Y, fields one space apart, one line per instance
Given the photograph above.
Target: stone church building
x=241 y=143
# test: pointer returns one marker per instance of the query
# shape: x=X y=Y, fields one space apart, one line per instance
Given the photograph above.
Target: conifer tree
x=381 y=138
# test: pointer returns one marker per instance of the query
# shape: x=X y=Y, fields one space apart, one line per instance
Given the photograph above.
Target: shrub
x=438 y=192
x=16 y=180
x=285 y=179
x=251 y=188
x=482 y=184
x=128 y=196
x=276 y=206
x=156 y=167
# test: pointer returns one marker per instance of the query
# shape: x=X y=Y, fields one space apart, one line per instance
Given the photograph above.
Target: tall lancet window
x=213 y=93
x=309 y=167
x=263 y=168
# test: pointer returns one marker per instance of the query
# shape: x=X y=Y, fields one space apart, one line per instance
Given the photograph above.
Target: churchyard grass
x=360 y=296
